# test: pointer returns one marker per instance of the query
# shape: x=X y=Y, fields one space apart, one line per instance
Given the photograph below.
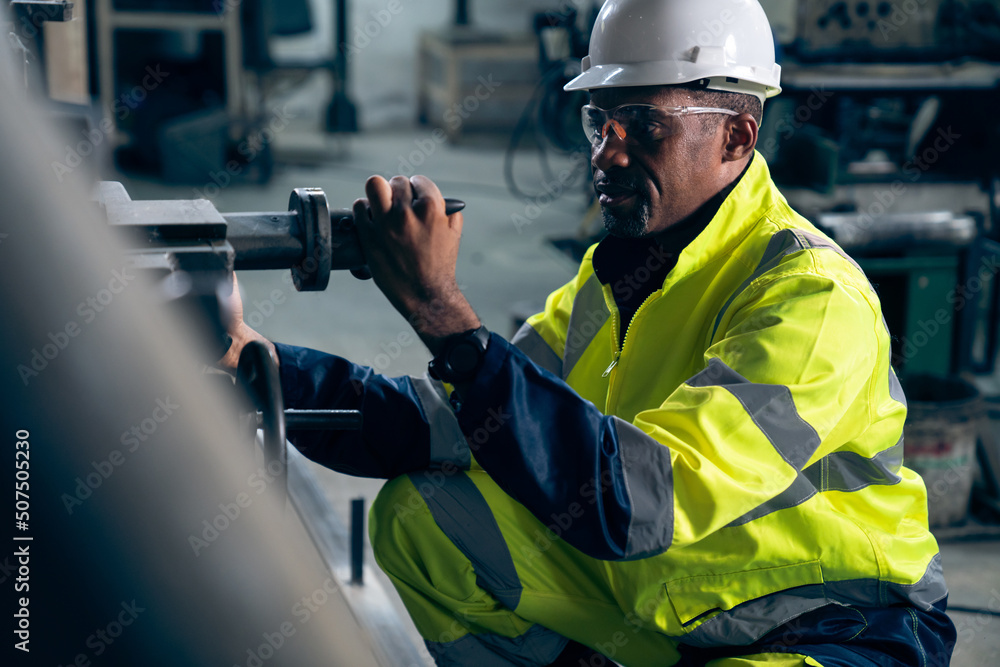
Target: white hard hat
x=725 y=43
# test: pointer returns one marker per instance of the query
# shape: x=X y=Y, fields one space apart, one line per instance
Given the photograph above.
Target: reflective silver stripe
x=800 y=491
x=535 y=348
x=925 y=592
x=448 y=443
x=748 y=622
x=771 y=408
x=462 y=513
x=849 y=471
x=782 y=243
x=590 y=312
x=839 y=471
x=820 y=242
x=648 y=476
x=895 y=389
x=537 y=646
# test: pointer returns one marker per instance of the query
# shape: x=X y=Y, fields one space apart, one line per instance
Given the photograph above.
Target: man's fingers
x=379 y=195
x=402 y=192
x=429 y=195
x=426 y=190
x=362 y=210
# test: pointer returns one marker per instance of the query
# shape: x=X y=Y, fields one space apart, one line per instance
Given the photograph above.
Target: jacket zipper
x=618 y=352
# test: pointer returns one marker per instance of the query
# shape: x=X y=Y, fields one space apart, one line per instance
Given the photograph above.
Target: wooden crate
x=471 y=81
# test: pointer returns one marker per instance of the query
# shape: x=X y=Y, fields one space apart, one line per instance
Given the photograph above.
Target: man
x=693 y=455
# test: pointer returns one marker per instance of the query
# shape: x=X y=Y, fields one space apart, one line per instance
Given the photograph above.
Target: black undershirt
x=635 y=268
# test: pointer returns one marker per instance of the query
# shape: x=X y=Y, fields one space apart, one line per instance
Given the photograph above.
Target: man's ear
x=740 y=137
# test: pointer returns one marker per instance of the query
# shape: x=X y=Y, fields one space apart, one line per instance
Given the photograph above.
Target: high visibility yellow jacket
x=737 y=462
x=761 y=368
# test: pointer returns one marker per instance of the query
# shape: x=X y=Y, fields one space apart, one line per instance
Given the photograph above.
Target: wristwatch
x=461 y=357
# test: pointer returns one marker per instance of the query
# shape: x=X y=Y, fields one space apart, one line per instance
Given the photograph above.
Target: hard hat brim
x=652 y=74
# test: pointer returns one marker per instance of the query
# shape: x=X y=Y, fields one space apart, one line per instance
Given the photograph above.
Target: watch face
x=464 y=357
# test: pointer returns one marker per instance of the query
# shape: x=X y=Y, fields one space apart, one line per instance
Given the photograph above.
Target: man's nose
x=611 y=152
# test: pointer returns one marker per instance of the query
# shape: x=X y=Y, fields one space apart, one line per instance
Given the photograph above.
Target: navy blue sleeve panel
x=394 y=438
x=549 y=449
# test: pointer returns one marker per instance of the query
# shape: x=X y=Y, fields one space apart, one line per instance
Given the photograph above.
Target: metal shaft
x=265 y=240
x=277 y=240
x=318 y=420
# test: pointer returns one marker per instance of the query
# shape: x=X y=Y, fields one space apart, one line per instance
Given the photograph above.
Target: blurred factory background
x=885 y=136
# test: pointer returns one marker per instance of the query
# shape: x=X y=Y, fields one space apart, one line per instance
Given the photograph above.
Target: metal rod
x=357 y=541
x=319 y=420
x=265 y=241
x=276 y=240
x=340 y=61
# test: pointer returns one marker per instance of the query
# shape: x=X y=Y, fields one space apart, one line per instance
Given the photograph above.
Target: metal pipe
x=357 y=541
x=319 y=420
x=265 y=241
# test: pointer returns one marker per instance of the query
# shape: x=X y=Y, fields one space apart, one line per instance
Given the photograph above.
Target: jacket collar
x=752 y=198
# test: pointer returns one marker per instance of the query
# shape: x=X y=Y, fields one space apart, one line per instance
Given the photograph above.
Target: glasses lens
x=644 y=124
x=641 y=123
x=593 y=123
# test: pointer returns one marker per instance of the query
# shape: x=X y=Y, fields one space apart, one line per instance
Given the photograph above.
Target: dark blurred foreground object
x=148 y=534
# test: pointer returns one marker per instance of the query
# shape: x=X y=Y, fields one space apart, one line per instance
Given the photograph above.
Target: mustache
x=619 y=181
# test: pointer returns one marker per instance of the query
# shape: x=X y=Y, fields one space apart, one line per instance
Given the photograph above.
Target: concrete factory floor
x=500 y=264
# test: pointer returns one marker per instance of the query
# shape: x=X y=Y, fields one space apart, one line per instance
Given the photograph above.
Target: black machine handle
x=258 y=375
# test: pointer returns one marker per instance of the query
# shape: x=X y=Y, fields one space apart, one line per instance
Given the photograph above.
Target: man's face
x=645 y=188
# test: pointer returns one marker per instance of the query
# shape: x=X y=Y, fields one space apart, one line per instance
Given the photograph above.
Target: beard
x=631 y=225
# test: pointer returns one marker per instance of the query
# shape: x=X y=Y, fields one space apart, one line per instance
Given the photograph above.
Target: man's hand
x=411 y=247
x=239 y=331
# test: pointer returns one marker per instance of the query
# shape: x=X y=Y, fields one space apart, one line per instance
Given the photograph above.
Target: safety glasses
x=638 y=123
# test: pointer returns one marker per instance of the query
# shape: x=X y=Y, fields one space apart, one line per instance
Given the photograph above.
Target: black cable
x=534 y=109
x=973 y=610
x=522 y=125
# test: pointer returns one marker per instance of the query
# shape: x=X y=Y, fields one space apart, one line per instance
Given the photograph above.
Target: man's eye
x=647 y=130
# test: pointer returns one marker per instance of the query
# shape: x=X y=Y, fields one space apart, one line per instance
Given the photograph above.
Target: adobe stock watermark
x=418 y=320
x=636 y=280
x=103 y=638
x=250 y=148
x=59 y=340
x=958 y=298
x=900 y=15
x=365 y=33
x=123 y=105
x=302 y=611
x=454 y=117
x=211 y=529
x=914 y=169
x=551 y=191
x=259 y=311
x=391 y=351
x=436 y=478
x=791 y=123
x=969 y=625
x=7 y=569
x=131 y=440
